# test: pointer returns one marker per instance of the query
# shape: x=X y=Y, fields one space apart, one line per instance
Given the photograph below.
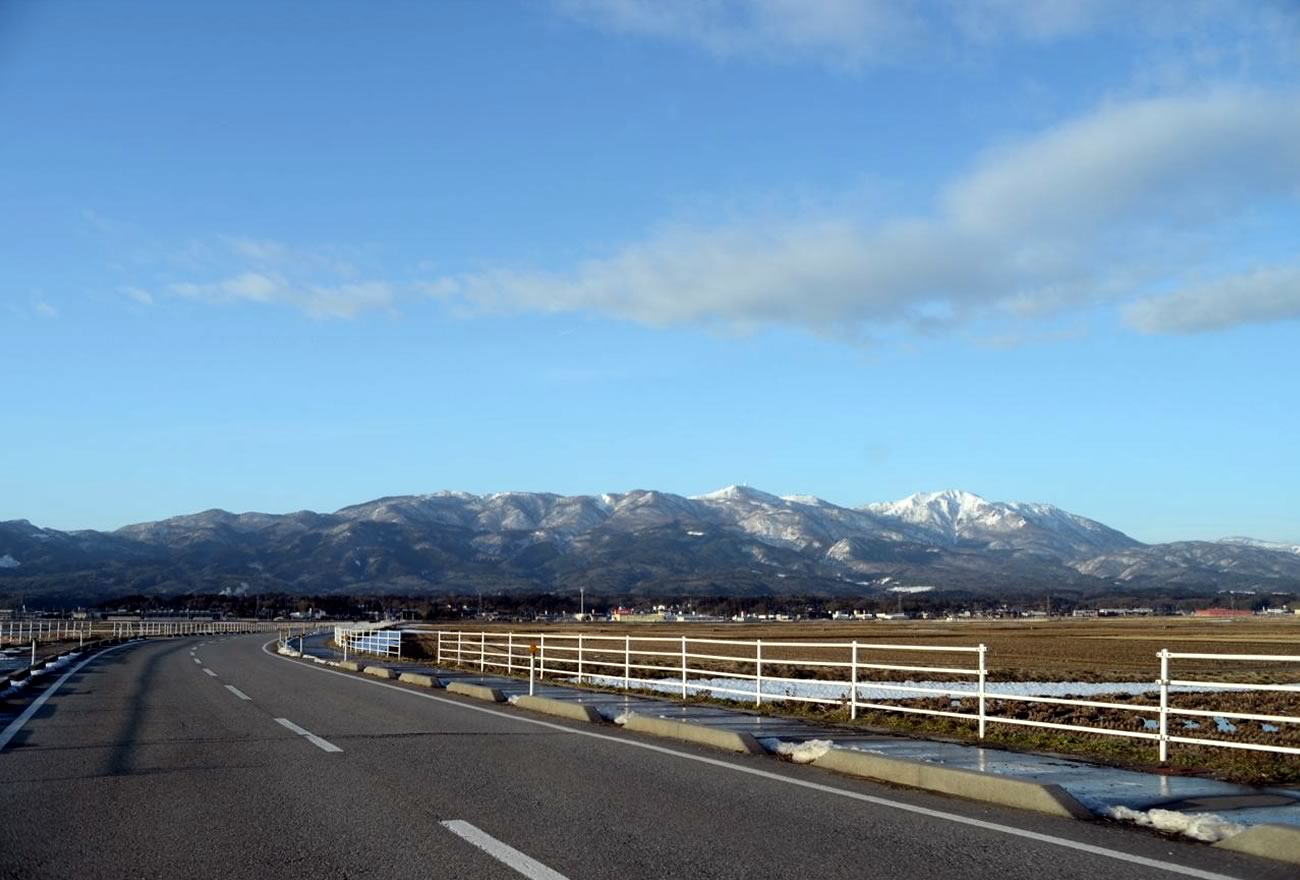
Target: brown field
x=1018 y=650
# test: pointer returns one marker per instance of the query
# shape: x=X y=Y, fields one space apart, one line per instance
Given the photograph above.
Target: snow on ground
x=1198 y=826
x=798 y=752
x=741 y=689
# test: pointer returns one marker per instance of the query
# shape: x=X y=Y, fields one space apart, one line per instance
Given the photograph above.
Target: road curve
x=214 y=758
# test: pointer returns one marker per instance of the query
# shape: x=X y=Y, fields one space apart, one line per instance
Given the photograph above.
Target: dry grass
x=1050 y=650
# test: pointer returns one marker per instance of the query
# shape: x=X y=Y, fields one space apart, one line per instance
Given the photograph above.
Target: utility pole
x=582 y=603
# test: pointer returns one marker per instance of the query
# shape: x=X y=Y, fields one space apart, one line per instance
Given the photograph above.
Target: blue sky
x=273 y=256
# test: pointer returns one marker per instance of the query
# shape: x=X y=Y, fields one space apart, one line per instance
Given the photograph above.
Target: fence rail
x=379 y=639
x=23 y=632
x=758 y=671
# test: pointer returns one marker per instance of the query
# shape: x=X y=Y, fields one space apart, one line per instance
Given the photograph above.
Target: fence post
x=758 y=672
x=541 y=669
x=482 y=651
x=579 y=659
x=459 y=639
x=510 y=653
x=853 y=684
x=683 y=667
x=532 y=665
x=437 y=649
x=627 y=662
x=983 y=675
x=1164 y=704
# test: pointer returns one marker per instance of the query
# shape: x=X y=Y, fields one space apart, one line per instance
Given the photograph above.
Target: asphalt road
x=147 y=763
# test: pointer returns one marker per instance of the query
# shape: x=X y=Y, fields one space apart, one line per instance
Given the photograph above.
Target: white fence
x=377 y=639
x=748 y=670
x=22 y=632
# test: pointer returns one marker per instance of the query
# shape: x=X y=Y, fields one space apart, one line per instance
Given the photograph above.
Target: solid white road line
x=503 y=853
x=209 y=672
x=957 y=818
x=322 y=744
x=17 y=724
x=237 y=692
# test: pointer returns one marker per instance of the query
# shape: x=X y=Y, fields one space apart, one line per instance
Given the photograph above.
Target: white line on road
x=322 y=744
x=198 y=661
x=503 y=853
x=209 y=672
x=957 y=818
x=17 y=724
x=237 y=692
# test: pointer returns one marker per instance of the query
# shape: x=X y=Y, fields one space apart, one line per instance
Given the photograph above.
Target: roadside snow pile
x=1198 y=826
x=798 y=752
x=622 y=717
x=513 y=698
x=740 y=690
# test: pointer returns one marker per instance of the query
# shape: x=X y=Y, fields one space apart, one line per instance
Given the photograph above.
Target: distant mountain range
x=736 y=541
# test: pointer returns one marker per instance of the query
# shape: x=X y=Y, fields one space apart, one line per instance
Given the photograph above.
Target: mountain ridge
x=734 y=539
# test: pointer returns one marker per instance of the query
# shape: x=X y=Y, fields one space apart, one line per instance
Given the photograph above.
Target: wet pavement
x=1097 y=787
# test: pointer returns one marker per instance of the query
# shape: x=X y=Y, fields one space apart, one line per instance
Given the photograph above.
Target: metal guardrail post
x=579 y=659
x=437 y=641
x=1164 y=704
x=482 y=651
x=853 y=683
x=683 y=667
x=459 y=640
x=510 y=653
x=541 y=672
x=627 y=662
x=982 y=691
x=758 y=672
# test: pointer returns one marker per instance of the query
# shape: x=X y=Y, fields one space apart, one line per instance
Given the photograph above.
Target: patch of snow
x=622 y=717
x=8 y=561
x=742 y=690
x=1269 y=728
x=798 y=752
x=1224 y=725
x=1206 y=827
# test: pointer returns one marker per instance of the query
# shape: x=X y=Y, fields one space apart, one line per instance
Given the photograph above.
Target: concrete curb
x=351 y=665
x=991 y=788
x=1281 y=842
x=477 y=691
x=421 y=679
x=380 y=672
x=731 y=740
x=560 y=709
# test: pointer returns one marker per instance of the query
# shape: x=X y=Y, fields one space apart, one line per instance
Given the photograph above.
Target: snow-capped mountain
x=1261 y=545
x=736 y=539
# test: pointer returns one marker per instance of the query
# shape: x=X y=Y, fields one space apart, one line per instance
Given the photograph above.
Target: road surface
x=216 y=758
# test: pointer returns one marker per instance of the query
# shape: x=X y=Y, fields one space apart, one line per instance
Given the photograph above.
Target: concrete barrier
x=718 y=738
x=477 y=691
x=351 y=665
x=420 y=678
x=380 y=672
x=1281 y=842
x=988 y=787
x=560 y=709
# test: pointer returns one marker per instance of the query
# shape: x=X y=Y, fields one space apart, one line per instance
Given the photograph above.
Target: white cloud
x=44 y=309
x=853 y=33
x=139 y=295
x=1266 y=294
x=1076 y=214
x=318 y=300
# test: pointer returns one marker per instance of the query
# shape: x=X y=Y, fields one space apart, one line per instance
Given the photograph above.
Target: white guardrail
x=379 y=639
x=22 y=632
x=624 y=660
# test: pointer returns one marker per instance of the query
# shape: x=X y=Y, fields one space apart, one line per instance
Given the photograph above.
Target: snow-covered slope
x=957 y=517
